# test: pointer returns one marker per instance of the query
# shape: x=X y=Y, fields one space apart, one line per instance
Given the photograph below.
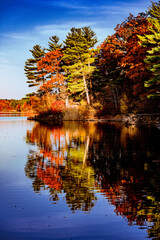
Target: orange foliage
x=5 y=105
x=50 y=66
x=51 y=62
x=134 y=54
x=121 y=58
x=14 y=105
x=58 y=106
x=111 y=48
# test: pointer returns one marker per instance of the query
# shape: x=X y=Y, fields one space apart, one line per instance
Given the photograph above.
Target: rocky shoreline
x=129 y=119
x=137 y=119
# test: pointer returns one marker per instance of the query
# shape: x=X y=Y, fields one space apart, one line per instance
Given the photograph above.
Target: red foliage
x=134 y=54
x=121 y=58
x=127 y=203
x=111 y=49
x=58 y=106
x=51 y=62
x=49 y=66
x=50 y=175
x=5 y=105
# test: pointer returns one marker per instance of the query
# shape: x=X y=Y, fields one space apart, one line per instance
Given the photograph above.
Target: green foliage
x=154 y=10
x=78 y=59
x=31 y=66
x=53 y=43
x=152 y=41
x=124 y=104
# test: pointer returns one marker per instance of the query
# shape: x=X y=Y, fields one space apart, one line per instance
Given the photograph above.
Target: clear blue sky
x=24 y=23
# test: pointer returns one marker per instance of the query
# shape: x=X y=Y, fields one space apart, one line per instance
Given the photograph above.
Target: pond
x=78 y=180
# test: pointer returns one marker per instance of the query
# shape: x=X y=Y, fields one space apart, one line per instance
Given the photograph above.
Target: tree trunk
x=67 y=102
x=90 y=83
x=86 y=89
x=115 y=99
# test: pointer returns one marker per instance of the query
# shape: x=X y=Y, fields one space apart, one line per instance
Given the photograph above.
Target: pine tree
x=31 y=66
x=152 y=40
x=53 y=43
x=78 y=60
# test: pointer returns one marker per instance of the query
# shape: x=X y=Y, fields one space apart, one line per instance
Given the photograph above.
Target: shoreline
x=127 y=119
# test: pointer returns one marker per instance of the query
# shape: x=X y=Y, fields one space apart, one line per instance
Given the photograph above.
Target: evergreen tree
x=31 y=66
x=78 y=60
x=53 y=43
x=152 y=40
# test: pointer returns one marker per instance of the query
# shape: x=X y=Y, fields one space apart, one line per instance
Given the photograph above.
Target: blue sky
x=24 y=23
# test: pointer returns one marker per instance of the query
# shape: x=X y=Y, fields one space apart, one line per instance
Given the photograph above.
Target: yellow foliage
x=123 y=104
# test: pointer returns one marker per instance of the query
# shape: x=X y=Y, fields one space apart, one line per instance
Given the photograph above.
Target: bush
x=58 y=106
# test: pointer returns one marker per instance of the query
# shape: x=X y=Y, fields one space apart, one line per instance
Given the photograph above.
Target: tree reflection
x=123 y=163
x=128 y=175
x=60 y=163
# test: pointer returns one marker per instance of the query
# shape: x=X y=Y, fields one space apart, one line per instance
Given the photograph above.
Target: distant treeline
x=7 y=105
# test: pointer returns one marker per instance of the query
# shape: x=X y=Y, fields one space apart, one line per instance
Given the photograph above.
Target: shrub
x=58 y=106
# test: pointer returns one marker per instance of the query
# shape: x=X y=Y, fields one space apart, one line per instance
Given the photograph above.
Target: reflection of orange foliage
x=58 y=161
x=42 y=135
x=57 y=133
x=50 y=175
x=126 y=201
x=50 y=141
x=48 y=170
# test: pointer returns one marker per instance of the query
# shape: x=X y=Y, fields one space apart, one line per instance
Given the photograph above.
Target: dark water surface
x=78 y=181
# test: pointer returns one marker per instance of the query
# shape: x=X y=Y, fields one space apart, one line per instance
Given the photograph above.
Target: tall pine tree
x=78 y=60
x=30 y=67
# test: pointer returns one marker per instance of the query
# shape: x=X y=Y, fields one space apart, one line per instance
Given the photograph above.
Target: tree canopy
x=118 y=76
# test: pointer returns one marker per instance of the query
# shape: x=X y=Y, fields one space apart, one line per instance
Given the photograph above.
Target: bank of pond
x=152 y=119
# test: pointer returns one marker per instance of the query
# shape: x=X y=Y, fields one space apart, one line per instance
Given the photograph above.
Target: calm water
x=78 y=181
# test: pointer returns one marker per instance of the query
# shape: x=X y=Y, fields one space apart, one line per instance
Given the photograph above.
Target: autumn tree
x=108 y=78
x=121 y=63
x=132 y=60
x=78 y=60
x=49 y=68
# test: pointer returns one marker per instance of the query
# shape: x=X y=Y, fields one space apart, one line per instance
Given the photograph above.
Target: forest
x=14 y=105
x=121 y=75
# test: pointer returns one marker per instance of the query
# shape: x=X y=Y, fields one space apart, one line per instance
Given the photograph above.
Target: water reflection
x=80 y=159
x=60 y=164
